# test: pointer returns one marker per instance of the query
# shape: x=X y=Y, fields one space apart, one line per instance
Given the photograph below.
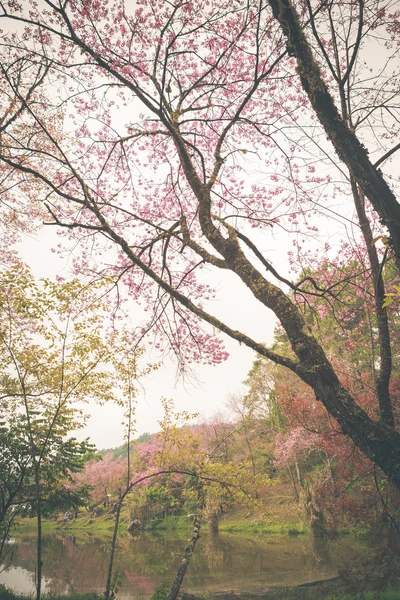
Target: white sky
x=210 y=387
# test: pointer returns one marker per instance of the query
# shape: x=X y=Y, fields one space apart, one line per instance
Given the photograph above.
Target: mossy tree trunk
x=176 y=585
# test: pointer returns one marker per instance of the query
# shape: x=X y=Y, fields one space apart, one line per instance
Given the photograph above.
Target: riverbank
x=278 y=513
x=253 y=525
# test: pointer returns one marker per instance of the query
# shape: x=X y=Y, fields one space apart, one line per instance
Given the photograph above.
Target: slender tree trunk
x=122 y=495
x=253 y=464
x=176 y=586
x=299 y=477
x=292 y=481
x=112 y=550
x=39 y=562
x=382 y=380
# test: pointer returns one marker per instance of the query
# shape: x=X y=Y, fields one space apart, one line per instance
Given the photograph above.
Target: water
x=226 y=562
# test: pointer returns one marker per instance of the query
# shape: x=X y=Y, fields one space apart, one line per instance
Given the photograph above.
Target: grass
x=170 y=523
x=277 y=514
x=233 y=523
x=262 y=527
x=49 y=526
x=30 y=525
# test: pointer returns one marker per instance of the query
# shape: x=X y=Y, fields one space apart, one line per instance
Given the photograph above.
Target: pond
x=223 y=562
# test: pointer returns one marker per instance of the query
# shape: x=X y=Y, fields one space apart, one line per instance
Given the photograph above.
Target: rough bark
x=377 y=440
x=349 y=149
x=176 y=585
x=382 y=379
x=108 y=589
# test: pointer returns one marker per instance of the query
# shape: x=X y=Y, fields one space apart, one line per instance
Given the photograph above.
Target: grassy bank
x=232 y=523
x=30 y=526
x=276 y=513
x=255 y=524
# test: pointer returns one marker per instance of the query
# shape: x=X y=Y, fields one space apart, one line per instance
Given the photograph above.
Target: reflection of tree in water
x=151 y=554
x=142 y=584
x=213 y=552
x=69 y=564
x=26 y=552
x=75 y=563
x=225 y=557
x=320 y=548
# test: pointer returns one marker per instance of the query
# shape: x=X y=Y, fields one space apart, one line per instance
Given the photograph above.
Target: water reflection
x=78 y=563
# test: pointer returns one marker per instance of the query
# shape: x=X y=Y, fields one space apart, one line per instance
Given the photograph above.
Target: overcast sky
x=209 y=388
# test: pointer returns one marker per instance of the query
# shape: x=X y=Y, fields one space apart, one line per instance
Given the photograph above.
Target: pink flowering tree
x=295 y=445
x=185 y=137
x=105 y=478
x=310 y=447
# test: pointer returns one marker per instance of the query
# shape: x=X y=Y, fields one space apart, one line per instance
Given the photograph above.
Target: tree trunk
x=347 y=146
x=214 y=521
x=313 y=512
x=294 y=487
x=39 y=562
x=299 y=477
x=176 y=586
x=112 y=551
x=382 y=380
x=377 y=440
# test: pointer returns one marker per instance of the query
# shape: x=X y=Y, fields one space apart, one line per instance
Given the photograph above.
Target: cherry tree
x=170 y=139
x=105 y=478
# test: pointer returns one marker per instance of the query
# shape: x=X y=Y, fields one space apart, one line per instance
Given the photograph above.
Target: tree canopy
x=172 y=138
